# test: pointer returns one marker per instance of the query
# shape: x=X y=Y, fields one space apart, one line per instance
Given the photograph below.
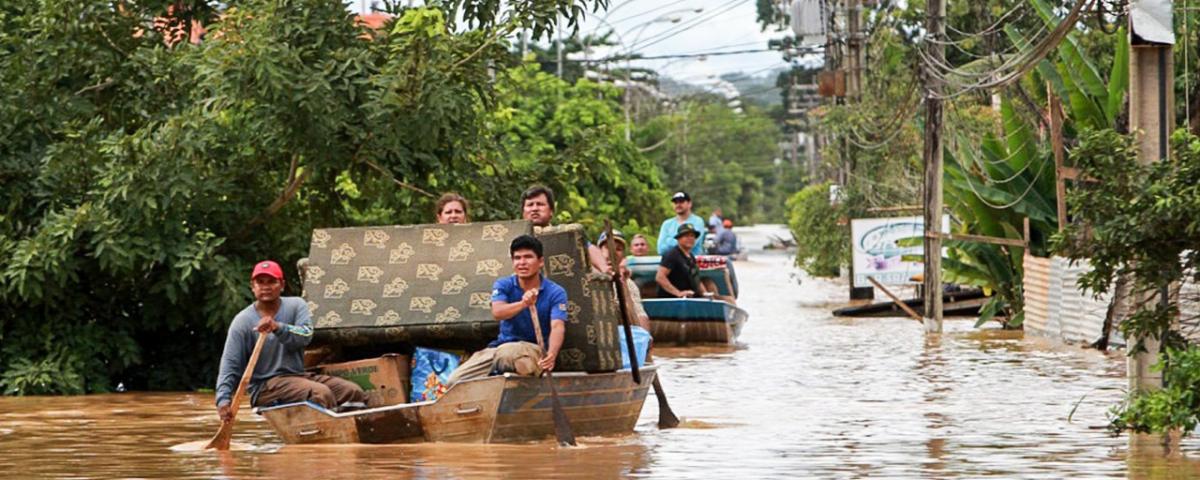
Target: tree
x=721 y=157
x=140 y=177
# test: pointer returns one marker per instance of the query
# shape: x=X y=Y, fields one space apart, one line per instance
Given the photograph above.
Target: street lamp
x=669 y=17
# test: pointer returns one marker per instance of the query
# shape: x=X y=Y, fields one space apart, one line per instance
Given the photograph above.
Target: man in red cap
x=279 y=376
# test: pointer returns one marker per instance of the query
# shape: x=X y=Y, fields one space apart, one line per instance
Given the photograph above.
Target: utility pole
x=854 y=44
x=853 y=67
x=935 y=17
x=559 y=45
x=1151 y=117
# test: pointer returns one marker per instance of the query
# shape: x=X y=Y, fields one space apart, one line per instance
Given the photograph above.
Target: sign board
x=889 y=249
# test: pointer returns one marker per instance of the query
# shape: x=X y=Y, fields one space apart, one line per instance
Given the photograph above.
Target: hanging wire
x=1017 y=67
x=1019 y=199
x=995 y=27
x=982 y=162
x=1105 y=26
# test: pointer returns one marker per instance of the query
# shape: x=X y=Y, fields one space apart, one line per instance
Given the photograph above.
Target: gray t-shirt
x=282 y=353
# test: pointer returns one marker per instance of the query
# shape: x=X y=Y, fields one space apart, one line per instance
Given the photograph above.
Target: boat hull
x=499 y=409
x=685 y=321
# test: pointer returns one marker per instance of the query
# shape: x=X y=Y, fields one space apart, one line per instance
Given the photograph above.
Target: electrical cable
x=647 y=12
x=686 y=26
x=1027 y=62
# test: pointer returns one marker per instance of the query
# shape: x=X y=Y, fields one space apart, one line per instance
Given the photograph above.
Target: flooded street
x=803 y=395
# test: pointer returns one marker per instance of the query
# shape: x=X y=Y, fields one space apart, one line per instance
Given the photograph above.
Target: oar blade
x=220 y=441
x=562 y=427
x=666 y=417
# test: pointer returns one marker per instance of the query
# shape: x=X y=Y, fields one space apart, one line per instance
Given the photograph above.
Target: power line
x=647 y=12
x=680 y=55
x=690 y=24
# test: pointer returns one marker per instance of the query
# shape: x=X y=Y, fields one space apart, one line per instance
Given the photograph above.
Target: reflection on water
x=803 y=394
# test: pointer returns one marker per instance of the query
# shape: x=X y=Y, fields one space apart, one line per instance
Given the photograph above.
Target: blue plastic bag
x=641 y=343
x=431 y=370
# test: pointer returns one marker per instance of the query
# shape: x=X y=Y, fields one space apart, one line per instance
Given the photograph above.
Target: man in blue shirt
x=714 y=221
x=683 y=214
x=516 y=349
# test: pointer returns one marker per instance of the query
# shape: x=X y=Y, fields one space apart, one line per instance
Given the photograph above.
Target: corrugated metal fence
x=1055 y=307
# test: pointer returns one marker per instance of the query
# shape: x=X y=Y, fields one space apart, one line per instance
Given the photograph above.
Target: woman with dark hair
x=451 y=208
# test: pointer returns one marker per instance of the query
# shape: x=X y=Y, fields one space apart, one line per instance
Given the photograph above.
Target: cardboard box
x=385 y=379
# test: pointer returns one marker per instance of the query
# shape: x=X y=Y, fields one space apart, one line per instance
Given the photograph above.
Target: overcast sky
x=721 y=25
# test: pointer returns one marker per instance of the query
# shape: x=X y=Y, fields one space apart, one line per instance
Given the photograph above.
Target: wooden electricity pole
x=935 y=16
x=853 y=68
x=854 y=50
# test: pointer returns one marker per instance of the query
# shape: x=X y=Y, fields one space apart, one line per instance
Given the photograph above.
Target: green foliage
x=823 y=245
x=571 y=138
x=1175 y=406
x=53 y=374
x=140 y=178
x=722 y=158
x=993 y=186
x=1138 y=222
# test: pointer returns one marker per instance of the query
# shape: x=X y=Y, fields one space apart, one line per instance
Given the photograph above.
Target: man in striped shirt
x=279 y=376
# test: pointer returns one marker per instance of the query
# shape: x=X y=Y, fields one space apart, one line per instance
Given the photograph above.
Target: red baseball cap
x=267 y=267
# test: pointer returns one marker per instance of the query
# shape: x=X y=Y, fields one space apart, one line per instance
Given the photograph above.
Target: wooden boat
x=499 y=409
x=692 y=320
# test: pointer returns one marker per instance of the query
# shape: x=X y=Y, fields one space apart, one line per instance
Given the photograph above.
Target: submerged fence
x=1055 y=306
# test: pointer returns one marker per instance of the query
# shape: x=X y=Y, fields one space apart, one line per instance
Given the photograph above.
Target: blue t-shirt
x=551 y=305
x=670 y=226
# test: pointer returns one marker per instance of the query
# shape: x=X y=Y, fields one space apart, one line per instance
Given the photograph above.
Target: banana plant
x=992 y=189
x=1010 y=176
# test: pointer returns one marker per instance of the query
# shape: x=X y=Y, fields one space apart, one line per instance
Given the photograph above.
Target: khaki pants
x=516 y=357
x=324 y=390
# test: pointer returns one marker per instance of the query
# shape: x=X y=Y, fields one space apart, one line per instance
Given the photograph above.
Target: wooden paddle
x=619 y=282
x=562 y=428
x=220 y=441
x=666 y=417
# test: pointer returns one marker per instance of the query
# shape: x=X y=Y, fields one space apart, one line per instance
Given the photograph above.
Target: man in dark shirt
x=678 y=276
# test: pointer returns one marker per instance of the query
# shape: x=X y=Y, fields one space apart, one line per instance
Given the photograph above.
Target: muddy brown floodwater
x=803 y=395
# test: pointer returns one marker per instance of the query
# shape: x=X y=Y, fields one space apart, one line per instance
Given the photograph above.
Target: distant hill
x=759 y=89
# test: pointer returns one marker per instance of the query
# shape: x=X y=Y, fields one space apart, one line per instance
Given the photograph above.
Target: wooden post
x=899 y=303
x=1056 y=139
x=935 y=14
x=853 y=50
x=853 y=67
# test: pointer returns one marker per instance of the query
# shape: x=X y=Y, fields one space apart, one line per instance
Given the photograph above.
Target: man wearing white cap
x=683 y=214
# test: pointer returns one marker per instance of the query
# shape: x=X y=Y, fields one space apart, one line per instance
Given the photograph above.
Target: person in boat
x=715 y=220
x=279 y=375
x=537 y=206
x=451 y=208
x=635 y=295
x=516 y=349
x=638 y=246
x=726 y=240
x=678 y=275
x=683 y=214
